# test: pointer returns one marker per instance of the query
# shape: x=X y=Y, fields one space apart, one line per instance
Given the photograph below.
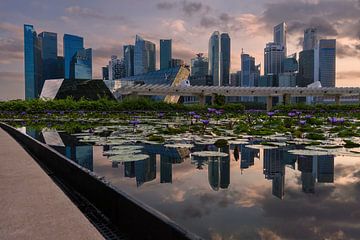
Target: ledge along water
x=32 y=206
x=141 y=220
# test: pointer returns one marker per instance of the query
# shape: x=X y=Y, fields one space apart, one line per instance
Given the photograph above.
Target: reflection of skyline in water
x=314 y=169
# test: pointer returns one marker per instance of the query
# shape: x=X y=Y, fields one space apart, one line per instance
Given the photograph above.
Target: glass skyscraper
x=81 y=65
x=129 y=60
x=306 y=72
x=48 y=43
x=273 y=58
x=325 y=57
x=280 y=36
x=225 y=59
x=165 y=53
x=199 y=65
x=72 y=44
x=219 y=58
x=250 y=74
x=144 y=56
x=310 y=38
x=32 y=63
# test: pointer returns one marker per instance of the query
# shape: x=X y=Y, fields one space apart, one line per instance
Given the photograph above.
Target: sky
x=109 y=24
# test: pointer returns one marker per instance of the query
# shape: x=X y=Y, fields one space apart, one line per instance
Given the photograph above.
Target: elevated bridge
x=269 y=92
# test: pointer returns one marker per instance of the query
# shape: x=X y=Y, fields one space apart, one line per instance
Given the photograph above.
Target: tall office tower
x=105 y=72
x=117 y=68
x=310 y=39
x=129 y=60
x=325 y=62
x=219 y=58
x=144 y=56
x=306 y=72
x=214 y=58
x=280 y=36
x=71 y=44
x=225 y=59
x=48 y=43
x=32 y=63
x=165 y=53
x=273 y=58
x=288 y=77
x=199 y=65
x=250 y=74
x=81 y=65
x=176 y=62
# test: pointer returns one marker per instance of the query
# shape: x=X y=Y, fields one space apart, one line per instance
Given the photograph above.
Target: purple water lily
x=161 y=115
x=211 y=110
x=134 y=122
x=302 y=122
x=341 y=120
x=61 y=112
x=205 y=122
x=308 y=116
x=192 y=113
x=333 y=120
x=270 y=114
x=291 y=114
x=196 y=116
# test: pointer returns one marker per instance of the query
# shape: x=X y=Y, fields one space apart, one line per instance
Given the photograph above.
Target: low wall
x=142 y=221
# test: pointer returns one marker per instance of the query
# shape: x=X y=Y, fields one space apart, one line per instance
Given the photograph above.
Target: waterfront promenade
x=32 y=206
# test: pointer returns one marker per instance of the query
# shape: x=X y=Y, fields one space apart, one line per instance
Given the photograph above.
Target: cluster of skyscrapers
x=316 y=63
x=42 y=62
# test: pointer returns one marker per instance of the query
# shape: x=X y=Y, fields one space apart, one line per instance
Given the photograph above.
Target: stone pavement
x=32 y=206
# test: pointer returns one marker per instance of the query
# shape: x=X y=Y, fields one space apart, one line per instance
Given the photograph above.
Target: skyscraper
x=144 y=56
x=165 y=53
x=81 y=65
x=250 y=73
x=306 y=72
x=225 y=59
x=219 y=58
x=325 y=59
x=199 y=65
x=32 y=63
x=129 y=60
x=273 y=58
x=48 y=43
x=117 y=68
x=175 y=62
x=214 y=57
x=105 y=72
x=71 y=45
x=310 y=39
x=280 y=36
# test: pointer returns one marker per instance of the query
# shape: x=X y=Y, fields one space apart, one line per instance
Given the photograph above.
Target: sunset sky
x=107 y=25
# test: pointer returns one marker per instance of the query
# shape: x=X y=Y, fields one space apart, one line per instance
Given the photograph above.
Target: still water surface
x=250 y=194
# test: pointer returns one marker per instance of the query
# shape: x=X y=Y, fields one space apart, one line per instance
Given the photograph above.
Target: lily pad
x=129 y=157
x=258 y=146
x=179 y=145
x=121 y=152
x=209 y=154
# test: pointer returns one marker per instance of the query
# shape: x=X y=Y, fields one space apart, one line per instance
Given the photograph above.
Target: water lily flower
x=291 y=114
x=196 y=116
x=308 y=116
x=211 y=110
x=205 y=122
x=218 y=112
x=192 y=113
x=340 y=120
x=302 y=122
x=332 y=120
x=61 y=112
x=23 y=113
x=134 y=122
x=161 y=115
x=270 y=114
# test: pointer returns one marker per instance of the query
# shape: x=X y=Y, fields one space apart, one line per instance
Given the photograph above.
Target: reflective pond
x=242 y=190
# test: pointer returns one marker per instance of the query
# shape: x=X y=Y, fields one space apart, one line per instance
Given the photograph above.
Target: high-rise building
x=165 y=53
x=306 y=72
x=250 y=74
x=105 y=72
x=273 y=58
x=291 y=64
x=176 y=62
x=310 y=39
x=214 y=58
x=225 y=59
x=219 y=58
x=72 y=44
x=48 y=43
x=325 y=62
x=117 y=68
x=129 y=60
x=32 y=63
x=144 y=56
x=280 y=36
x=199 y=65
x=81 y=65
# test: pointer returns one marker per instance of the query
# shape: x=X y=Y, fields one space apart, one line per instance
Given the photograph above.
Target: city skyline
x=250 y=26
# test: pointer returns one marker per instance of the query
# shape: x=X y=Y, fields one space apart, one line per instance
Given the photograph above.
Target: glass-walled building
x=225 y=59
x=129 y=59
x=72 y=44
x=48 y=43
x=326 y=53
x=144 y=56
x=81 y=65
x=165 y=54
x=32 y=63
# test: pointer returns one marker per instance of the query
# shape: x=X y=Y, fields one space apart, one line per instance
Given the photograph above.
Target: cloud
x=348 y=75
x=10 y=49
x=165 y=5
x=84 y=12
x=189 y=8
x=12 y=85
x=347 y=50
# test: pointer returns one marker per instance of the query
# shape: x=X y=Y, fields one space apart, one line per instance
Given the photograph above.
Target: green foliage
x=318 y=107
x=219 y=100
x=350 y=144
x=220 y=143
x=156 y=138
x=315 y=136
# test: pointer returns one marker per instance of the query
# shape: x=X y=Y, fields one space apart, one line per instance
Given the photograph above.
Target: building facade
x=325 y=58
x=144 y=56
x=48 y=43
x=81 y=65
x=105 y=72
x=280 y=32
x=310 y=39
x=72 y=44
x=306 y=74
x=273 y=58
x=129 y=59
x=225 y=59
x=117 y=68
x=165 y=53
x=199 y=65
x=250 y=74
x=32 y=63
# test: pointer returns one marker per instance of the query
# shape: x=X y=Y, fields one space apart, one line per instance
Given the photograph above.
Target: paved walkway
x=31 y=205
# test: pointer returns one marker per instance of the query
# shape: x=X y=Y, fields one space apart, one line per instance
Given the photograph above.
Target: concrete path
x=32 y=206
